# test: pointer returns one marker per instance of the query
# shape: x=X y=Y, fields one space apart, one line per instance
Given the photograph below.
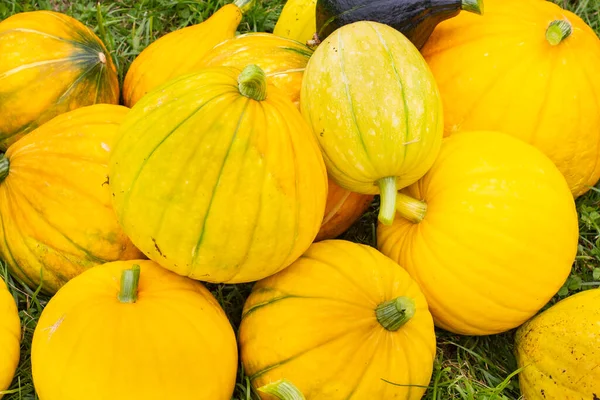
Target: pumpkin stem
x=244 y=5
x=387 y=199
x=411 y=209
x=252 y=83
x=283 y=390
x=130 y=278
x=395 y=313
x=558 y=31
x=474 y=6
x=4 y=167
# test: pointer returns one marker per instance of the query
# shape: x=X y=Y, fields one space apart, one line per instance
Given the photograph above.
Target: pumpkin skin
x=314 y=324
x=478 y=247
x=215 y=185
x=55 y=204
x=365 y=145
x=491 y=70
x=559 y=350
x=297 y=20
x=10 y=337
x=51 y=64
x=174 y=342
x=180 y=52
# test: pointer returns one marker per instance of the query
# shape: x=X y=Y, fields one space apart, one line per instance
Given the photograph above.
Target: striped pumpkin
x=50 y=64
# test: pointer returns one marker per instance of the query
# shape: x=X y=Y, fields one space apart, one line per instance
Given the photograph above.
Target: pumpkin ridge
x=151 y=153
x=368 y=364
x=87 y=45
x=98 y=80
x=298 y=50
x=76 y=81
x=258 y=306
x=196 y=249
x=542 y=110
x=35 y=64
x=595 y=96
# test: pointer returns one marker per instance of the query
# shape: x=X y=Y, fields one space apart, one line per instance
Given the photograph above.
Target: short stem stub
x=4 y=167
x=387 y=199
x=102 y=58
x=394 y=313
x=244 y=5
x=252 y=83
x=474 y=6
x=130 y=279
x=283 y=390
x=411 y=209
x=558 y=31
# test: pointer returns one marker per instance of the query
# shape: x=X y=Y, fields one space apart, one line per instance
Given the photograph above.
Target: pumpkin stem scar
x=102 y=58
x=411 y=209
x=394 y=313
x=130 y=279
x=474 y=6
x=558 y=31
x=4 y=167
x=387 y=194
x=283 y=390
x=252 y=83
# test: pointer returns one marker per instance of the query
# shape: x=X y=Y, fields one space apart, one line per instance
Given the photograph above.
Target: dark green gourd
x=416 y=19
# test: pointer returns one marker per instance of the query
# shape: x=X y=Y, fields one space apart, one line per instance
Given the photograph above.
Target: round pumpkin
x=283 y=61
x=369 y=148
x=527 y=68
x=55 y=204
x=131 y=330
x=51 y=64
x=10 y=337
x=180 y=52
x=297 y=20
x=492 y=216
x=338 y=323
x=559 y=350
x=216 y=176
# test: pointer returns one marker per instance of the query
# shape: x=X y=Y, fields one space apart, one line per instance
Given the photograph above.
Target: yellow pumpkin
x=55 y=204
x=375 y=110
x=559 y=350
x=216 y=176
x=297 y=20
x=180 y=52
x=131 y=330
x=492 y=216
x=10 y=337
x=50 y=64
x=527 y=68
x=338 y=323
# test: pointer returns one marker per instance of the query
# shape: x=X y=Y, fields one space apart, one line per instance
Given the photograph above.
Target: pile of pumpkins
x=235 y=159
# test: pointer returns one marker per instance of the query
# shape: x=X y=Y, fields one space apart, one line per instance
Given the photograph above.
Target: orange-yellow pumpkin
x=490 y=233
x=338 y=323
x=131 y=330
x=56 y=216
x=180 y=52
x=10 y=337
x=528 y=68
x=50 y=63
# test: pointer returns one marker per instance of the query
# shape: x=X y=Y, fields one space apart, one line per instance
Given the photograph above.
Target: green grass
x=477 y=368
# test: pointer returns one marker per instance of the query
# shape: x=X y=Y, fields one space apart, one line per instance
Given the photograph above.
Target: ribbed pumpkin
x=133 y=331
x=375 y=109
x=528 y=68
x=10 y=337
x=180 y=52
x=297 y=20
x=50 y=64
x=338 y=323
x=283 y=61
x=559 y=350
x=492 y=216
x=216 y=176
x=56 y=217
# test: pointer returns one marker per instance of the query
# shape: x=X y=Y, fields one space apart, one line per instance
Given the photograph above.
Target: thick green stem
x=4 y=167
x=252 y=83
x=387 y=199
x=130 y=279
x=395 y=313
x=411 y=209
x=244 y=5
x=474 y=6
x=558 y=31
x=283 y=390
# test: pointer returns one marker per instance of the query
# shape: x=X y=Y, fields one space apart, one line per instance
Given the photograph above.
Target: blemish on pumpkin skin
x=595 y=397
x=157 y=248
x=53 y=328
